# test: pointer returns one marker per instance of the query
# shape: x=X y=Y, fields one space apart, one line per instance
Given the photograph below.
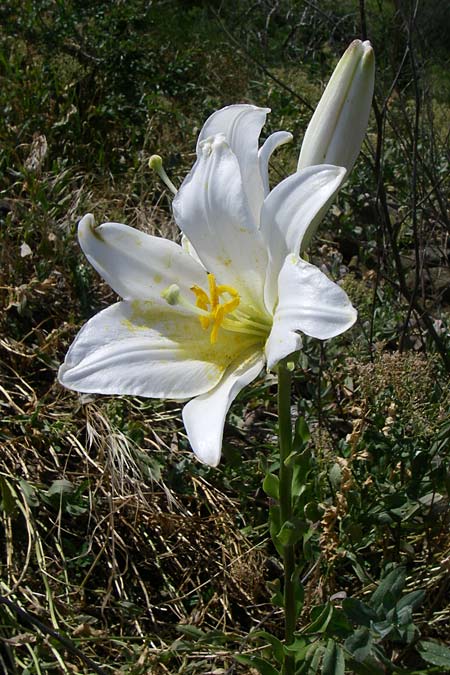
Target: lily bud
x=338 y=125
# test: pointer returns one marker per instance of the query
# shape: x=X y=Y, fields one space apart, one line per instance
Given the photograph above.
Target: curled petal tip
x=368 y=58
x=87 y=220
x=360 y=45
x=212 y=143
x=87 y=226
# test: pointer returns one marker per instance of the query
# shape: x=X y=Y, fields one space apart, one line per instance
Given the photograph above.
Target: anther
x=211 y=303
x=171 y=294
x=155 y=162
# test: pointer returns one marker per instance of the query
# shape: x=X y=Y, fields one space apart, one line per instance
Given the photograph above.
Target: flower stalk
x=285 y=492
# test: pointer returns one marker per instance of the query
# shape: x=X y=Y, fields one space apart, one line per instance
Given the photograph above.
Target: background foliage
x=118 y=550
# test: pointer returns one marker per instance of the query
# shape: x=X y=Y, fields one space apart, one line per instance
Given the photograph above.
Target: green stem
x=285 y=436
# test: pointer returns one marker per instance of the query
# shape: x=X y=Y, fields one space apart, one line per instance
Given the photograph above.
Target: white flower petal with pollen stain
x=204 y=416
x=308 y=302
x=146 y=349
x=137 y=265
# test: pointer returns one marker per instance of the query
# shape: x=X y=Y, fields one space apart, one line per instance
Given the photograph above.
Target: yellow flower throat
x=211 y=304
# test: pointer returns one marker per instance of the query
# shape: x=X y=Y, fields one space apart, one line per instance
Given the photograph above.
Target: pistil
x=218 y=308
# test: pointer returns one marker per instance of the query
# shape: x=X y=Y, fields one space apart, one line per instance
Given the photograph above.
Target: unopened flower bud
x=337 y=128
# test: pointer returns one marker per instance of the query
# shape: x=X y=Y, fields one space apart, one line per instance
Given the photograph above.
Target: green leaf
x=359 y=644
x=299 y=646
x=369 y=667
x=301 y=434
x=403 y=617
x=307 y=655
x=180 y=646
x=274 y=518
x=29 y=492
x=275 y=643
x=333 y=659
x=383 y=628
x=291 y=532
x=358 y=612
x=271 y=485
x=275 y=526
x=277 y=599
x=409 y=633
x=262 y=666
x=339 y=626
x=321 y=617
x=393 y=583
x=215 y=637
x=389 y=601
x=191 y=631
x=198 y=636
x=287 y=535
x=335 y=476
x=313 y=511
x=302 y=467
x=435 y=653
x=314 y=655
x=8 y=503
x=413 y=600
x=76 y=510
x=299 y=592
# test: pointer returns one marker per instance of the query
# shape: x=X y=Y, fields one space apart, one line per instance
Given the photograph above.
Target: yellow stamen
x=213 y=294
x=218 y=318
x=211 y=304
x=202 y=302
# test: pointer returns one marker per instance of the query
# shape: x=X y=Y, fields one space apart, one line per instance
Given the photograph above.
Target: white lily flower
x=201 y=322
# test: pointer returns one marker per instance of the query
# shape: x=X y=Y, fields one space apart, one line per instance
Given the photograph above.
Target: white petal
x=281 y=343
x=308 y=302
x=287 y=214
x=137 y=265
x=241 y=126
x=274 y=141
x=147 y=349
x=212 y=211
x=337 y=128
x=204 y=416
x=187 y=246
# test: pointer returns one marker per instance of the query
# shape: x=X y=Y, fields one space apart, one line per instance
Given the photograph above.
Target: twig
x=415 y=137
x=362 y=14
